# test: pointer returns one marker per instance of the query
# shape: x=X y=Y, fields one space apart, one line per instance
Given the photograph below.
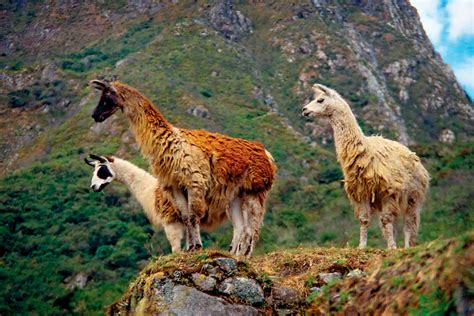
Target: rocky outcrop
x=232 y=24
x=288 y=282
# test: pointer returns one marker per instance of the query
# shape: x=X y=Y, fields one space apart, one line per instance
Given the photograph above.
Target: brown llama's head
x=326 y=103
x=109 y=102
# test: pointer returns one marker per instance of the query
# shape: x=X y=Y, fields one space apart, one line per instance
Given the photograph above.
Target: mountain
x=243 y=69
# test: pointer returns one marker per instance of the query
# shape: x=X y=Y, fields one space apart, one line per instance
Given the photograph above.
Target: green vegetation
x=55 y=228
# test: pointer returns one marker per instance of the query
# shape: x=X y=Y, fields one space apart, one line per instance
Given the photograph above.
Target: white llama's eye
x=320 y=100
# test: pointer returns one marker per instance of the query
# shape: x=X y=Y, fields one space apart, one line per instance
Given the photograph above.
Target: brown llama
x=380 y=175
x=202 y=172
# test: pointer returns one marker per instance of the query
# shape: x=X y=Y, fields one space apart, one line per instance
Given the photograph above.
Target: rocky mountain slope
x=243 y=69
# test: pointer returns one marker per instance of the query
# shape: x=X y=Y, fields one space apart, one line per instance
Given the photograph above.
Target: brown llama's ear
x=89 y=162
x=98 y=158
x=99 y=85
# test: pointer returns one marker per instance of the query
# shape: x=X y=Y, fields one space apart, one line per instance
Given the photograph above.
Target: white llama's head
x=326 y=102
x=103 y=172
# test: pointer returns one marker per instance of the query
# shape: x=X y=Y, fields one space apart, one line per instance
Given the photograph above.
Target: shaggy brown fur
x=201 y=171
x=380 y=175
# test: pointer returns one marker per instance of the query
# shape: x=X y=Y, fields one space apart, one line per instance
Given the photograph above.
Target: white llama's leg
x=174 y=233
x=412 y=223
x=390 y=209
x=363 y=214
x=235 y=215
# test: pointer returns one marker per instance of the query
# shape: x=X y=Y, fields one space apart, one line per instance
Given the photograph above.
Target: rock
x=78 y=280
x=447 y=136
x=329 y=277
x=183 y=299
x=49 y=73
x=315 y=289
x=245 y=289
x=199 y=111
x=228 y=265
x=284 y=296
x=268 y=100
x=357 y=273
x=229 y=23
x=205 y=283
x=209 y=269
x=305 y=49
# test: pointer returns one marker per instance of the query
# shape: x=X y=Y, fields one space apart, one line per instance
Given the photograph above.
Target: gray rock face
x=227 y=265
x=284 y=296
x=231 y=24
x=204 y=282
x=447 y=136
x=245 y=289
x=199 y=111
x=184 y=300
x=77 y=281
x=357 y=273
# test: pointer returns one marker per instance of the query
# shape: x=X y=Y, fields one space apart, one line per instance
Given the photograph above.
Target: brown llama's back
x=235 y=160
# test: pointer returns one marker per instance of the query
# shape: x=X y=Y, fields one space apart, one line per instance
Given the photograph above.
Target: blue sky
x=450 y=27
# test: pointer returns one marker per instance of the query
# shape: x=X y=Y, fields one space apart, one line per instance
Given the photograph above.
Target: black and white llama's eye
x=104 y=172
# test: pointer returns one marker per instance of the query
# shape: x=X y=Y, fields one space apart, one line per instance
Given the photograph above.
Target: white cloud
x=431 y=17
x=465 y=73
x=460 y=13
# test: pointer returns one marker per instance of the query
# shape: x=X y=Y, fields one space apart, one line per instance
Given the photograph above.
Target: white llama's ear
x=321 y=88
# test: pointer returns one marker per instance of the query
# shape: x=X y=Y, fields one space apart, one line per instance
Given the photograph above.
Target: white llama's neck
x=141 y=184
x=348 y=136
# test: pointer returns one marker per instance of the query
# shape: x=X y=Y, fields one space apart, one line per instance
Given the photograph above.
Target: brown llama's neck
x=147 y=123
x=348 y=137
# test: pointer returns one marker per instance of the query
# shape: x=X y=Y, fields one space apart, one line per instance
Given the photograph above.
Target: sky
x=450 y=27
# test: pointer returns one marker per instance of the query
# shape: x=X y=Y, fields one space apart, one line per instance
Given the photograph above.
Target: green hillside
x=55 y=228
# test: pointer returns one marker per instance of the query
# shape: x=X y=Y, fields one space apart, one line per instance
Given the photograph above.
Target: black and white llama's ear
x=89 y=162
x=98 y=158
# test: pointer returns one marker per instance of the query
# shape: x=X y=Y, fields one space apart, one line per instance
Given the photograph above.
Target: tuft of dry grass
x=299 y=268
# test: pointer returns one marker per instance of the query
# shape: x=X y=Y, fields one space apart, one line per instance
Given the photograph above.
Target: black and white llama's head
x=103 y=172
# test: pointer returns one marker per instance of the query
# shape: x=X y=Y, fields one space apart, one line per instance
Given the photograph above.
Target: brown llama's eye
x=320 y=100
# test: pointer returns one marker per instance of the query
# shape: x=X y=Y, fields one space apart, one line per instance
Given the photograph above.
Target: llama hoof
x=194 y=248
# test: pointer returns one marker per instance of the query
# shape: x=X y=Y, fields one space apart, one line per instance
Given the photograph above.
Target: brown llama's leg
x=197 y=208
x=252 y=211
x=412 y=222
x=363 y=214
x=390 y=209
x=235 y=215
